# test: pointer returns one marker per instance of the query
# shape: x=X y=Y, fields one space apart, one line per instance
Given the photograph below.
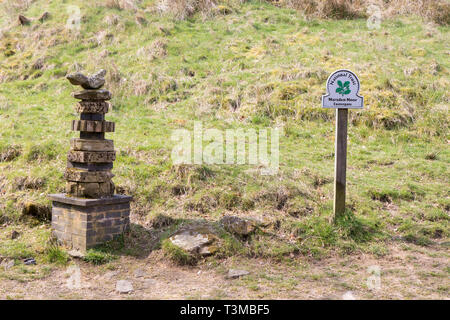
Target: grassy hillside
x=249 y=65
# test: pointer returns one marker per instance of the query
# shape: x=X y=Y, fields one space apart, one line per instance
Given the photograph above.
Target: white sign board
x=342 y=91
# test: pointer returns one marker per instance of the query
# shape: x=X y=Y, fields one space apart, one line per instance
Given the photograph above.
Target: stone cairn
x=91 y=157
x=90 y=213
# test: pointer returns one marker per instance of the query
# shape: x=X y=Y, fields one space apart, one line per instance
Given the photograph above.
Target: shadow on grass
x=137 y=242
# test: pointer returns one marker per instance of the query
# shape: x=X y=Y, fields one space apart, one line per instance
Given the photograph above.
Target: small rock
x=24 y=20
x=14 y=234
x=124 y=286
x=29 y=261
x=92 y=95
x=139 y=273
x=94 y=81
x=76 y=254
x=237 y=225
x=235 y=273
x=196 y=240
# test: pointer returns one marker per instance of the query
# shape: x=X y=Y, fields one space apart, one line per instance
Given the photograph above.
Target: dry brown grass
x=182 y=9
x=10 y=153
x=333 y=9
x=121 y=4
x=13 y=7
x=437 y=11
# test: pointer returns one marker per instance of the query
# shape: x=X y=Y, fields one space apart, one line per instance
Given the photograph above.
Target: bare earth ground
x=407 y=272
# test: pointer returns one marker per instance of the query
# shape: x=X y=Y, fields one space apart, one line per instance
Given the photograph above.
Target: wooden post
x=340 y=162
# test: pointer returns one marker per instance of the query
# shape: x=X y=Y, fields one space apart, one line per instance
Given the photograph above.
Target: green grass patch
x=98 y=257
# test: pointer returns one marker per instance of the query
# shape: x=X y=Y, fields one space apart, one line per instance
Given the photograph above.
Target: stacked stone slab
x=91 y=157
x=89 y=213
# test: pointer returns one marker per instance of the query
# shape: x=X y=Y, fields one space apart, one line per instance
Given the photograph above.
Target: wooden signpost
x=342 y=94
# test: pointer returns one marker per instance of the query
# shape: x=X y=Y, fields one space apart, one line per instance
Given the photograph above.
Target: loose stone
x=235 y=273
x=94 y=81
x=195 y=239
x=124 y=286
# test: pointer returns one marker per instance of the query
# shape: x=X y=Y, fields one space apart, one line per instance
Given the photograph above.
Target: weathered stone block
x=93 y=126
x=78 y=175
x=90 y=166
x=92 y=107
x=100 y=94
x=91 y=156
x=90 y=189
x=92 y=116
x=92 y=135
x=91 y=145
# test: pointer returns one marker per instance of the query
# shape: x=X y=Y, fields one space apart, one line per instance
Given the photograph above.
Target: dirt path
x=408 y=272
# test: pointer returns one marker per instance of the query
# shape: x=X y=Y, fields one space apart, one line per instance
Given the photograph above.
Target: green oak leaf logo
x=344 y=88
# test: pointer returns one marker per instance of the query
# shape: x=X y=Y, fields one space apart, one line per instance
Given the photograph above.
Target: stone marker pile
x=90 y=213
x=91 y=157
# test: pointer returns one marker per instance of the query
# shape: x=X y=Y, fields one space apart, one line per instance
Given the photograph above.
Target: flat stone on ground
x=195 y=239
x=124 y=286
x=236 y=273
x=76 y=253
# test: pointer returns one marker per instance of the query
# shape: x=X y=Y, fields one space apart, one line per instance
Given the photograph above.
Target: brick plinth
x=84 y=223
